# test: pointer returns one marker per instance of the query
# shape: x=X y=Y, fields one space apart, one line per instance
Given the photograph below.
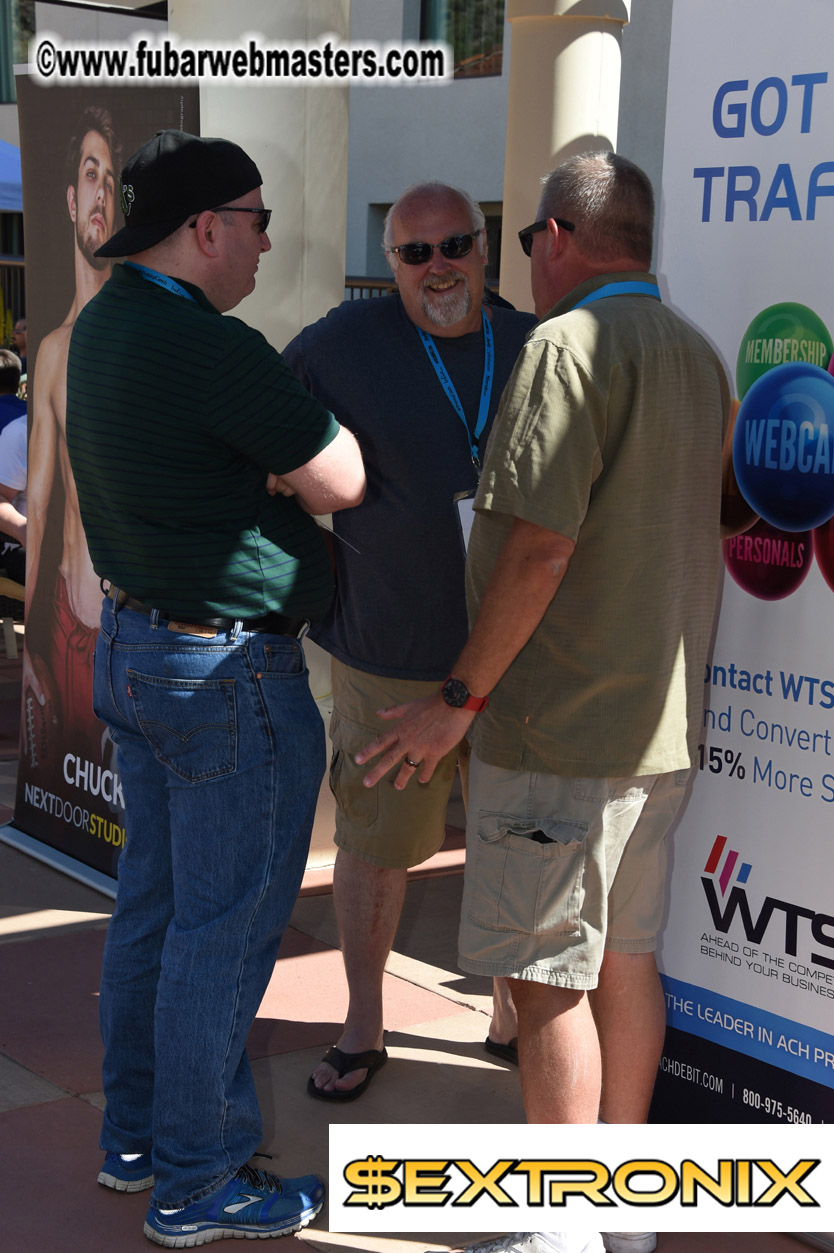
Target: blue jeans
x=221 y=752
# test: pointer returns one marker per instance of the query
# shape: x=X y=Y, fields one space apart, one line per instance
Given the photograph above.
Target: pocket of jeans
x=529 y=874
x=191 y=724
x=359 y=804
x=284 y=657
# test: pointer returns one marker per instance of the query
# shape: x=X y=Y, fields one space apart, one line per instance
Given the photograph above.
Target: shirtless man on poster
x=58 y=666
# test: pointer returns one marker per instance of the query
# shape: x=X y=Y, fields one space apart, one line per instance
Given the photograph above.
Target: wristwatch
x=457 y=694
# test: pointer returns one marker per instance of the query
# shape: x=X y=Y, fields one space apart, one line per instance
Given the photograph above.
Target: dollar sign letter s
x=375 y=1181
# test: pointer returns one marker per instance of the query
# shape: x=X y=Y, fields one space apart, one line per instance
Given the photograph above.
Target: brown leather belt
x=270 y=623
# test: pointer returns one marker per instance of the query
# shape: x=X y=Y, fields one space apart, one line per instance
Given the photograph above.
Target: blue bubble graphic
x=783 y=446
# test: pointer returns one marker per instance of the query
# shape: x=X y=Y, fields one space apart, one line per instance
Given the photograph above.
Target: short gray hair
x=610 y=202
x=437 y=191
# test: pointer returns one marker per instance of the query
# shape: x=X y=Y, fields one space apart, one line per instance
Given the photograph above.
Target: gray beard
x=447 y=308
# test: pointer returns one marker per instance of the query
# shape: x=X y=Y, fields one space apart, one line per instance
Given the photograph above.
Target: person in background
x=11 y=405
x=13 y=506
x=19 y=342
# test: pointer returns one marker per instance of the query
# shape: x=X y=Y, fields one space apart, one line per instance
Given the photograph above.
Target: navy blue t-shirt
x=399 y=609
x=10 y=408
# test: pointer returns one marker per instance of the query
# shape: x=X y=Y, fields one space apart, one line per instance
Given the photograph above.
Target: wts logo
x=730 y=864
x=731 y=876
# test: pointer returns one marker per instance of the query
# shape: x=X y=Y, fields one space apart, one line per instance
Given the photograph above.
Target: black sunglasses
x=453 y=247
x=263 y=225
x=525 y=235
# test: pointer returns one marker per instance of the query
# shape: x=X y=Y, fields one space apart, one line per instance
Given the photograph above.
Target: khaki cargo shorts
x=559 y=869
x=379 y=824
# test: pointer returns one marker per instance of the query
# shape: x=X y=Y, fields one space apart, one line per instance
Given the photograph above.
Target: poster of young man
x=748 y=949
x=73 y=144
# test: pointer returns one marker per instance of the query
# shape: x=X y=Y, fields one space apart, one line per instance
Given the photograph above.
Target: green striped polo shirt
x=175 y=416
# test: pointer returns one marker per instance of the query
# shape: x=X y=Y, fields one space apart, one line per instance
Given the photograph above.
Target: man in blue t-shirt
x=11 y=406
x=417 y=376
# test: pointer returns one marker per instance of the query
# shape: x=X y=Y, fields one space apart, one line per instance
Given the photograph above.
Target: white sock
x=129 y=1157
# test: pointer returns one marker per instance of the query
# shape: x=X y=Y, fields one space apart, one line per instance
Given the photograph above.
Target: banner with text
x=74 y=141
x=748 y=203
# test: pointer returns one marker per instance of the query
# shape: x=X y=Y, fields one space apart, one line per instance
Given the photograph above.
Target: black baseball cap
x=171 y=177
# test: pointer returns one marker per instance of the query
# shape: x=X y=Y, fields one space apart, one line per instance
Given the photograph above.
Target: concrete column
x=563 y=99
x=297 y=135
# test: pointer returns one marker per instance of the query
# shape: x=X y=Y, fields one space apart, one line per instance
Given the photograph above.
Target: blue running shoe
x=252 y=1205
x=125 y=1176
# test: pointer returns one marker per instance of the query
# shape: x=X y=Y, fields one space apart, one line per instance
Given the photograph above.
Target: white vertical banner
x=747 y=215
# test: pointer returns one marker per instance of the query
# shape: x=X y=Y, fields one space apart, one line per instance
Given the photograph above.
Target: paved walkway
x=51 y=937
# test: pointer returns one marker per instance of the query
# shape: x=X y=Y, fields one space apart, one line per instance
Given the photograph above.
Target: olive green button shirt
x=609 y=432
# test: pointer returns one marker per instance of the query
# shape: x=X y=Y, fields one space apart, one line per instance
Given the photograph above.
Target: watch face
x=455 y=693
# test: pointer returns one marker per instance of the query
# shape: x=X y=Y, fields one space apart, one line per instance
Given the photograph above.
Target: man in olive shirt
x=592 y=574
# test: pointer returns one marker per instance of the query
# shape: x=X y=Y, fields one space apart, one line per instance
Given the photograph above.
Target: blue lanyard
x=620 y=289
x=450 y=390
x=161 y=280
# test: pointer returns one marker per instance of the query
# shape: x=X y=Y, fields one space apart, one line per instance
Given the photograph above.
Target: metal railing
x=360 y=288
x=12 y=286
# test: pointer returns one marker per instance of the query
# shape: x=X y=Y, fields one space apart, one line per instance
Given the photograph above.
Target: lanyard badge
x=451 y=391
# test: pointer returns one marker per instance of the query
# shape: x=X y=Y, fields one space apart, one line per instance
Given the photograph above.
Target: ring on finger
x=413 y=764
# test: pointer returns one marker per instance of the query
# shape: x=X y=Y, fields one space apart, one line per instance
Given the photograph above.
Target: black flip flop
x=372 y=1059
x=507 y=1052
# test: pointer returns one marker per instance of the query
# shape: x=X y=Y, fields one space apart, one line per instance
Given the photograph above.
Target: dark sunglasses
x=453 y=247
x=525 y=235
x=263 y=225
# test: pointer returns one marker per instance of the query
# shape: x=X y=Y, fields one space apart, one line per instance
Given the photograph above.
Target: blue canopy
x=11 y=196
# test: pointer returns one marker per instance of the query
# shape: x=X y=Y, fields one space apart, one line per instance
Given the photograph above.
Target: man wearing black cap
x=199 y=675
